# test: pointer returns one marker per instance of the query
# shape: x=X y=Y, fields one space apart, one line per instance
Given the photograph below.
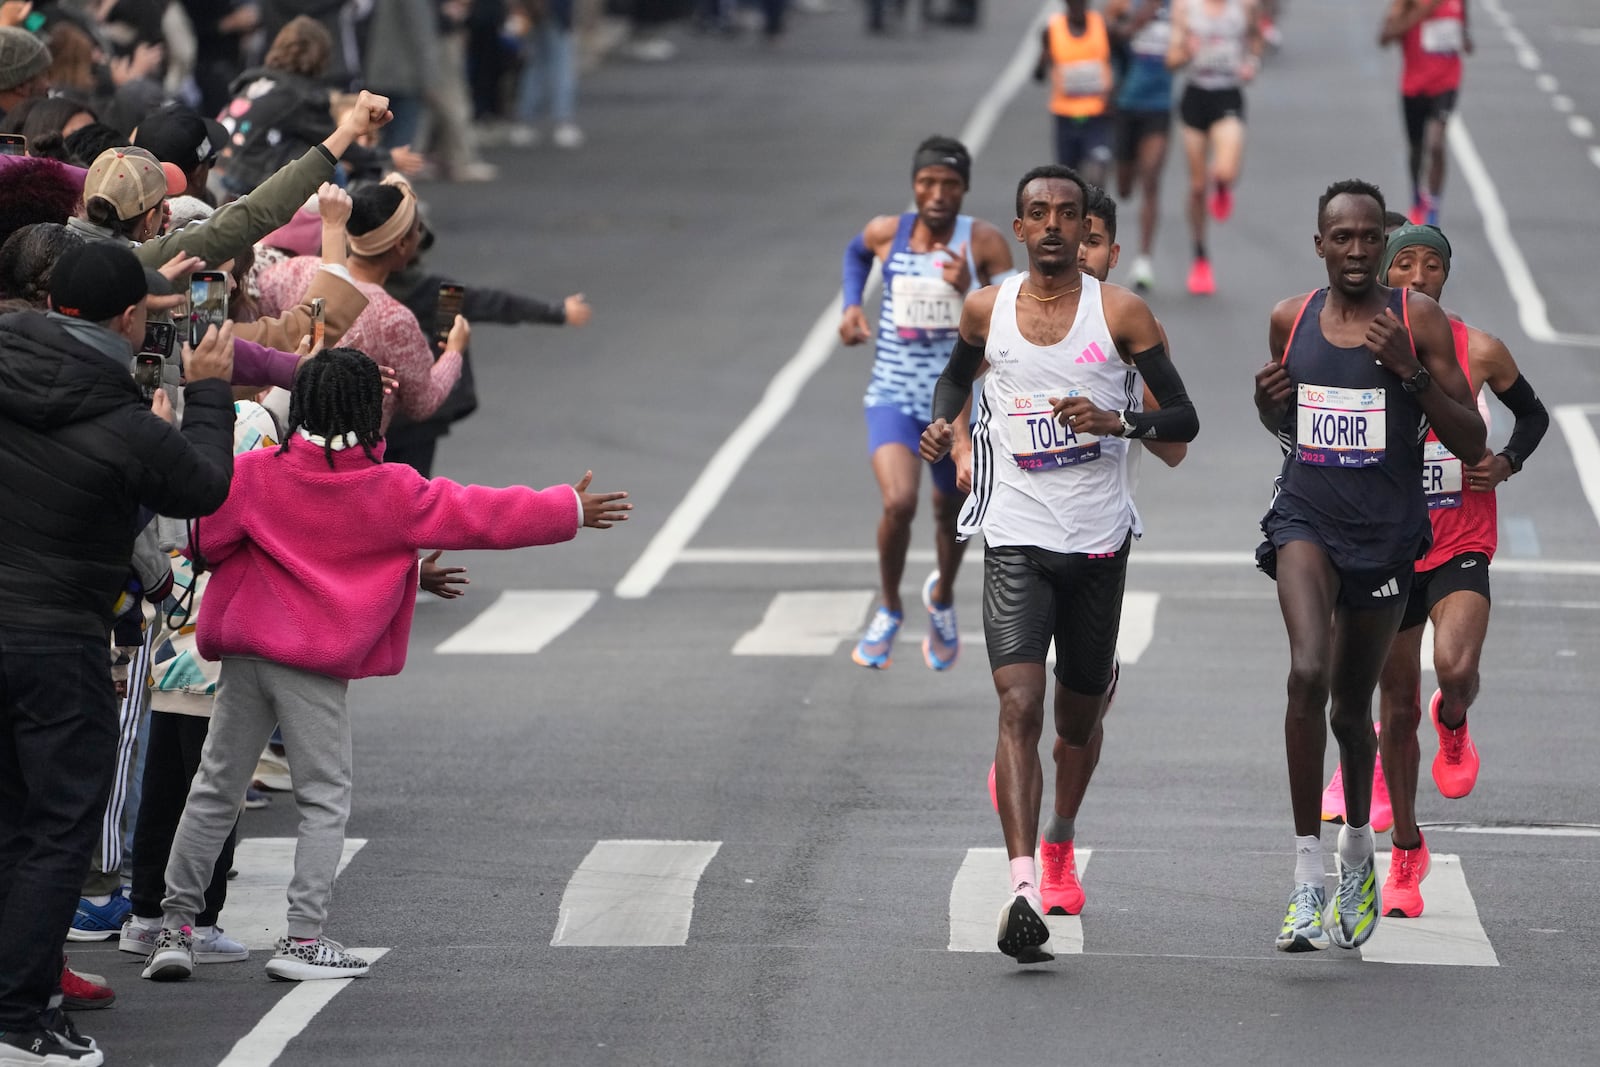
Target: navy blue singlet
x=1352 y=472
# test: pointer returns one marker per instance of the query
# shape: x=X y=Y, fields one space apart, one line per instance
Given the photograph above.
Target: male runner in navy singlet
x=1359 y=372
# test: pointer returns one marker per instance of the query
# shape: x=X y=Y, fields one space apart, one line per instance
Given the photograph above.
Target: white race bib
x=1443 y=37
x=1441 y=476
x=1039 y=441
x=1153 y=39
x=1219 y=56
x=1083 y=78
x=921 y=303
x=1341 y=427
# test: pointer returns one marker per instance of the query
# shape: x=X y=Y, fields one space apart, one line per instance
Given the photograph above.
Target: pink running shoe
x=1455 y=768
x=1382 y=810
x=994 y=794
x=1221 y=202
x=1402 y=890
x=1059 y=889
x=1333 y=797
x=1201 y=283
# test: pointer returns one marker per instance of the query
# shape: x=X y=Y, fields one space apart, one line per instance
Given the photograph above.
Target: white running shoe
x=296 y=961
x=1144 y=275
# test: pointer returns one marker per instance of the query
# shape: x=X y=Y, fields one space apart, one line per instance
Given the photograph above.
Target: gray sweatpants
x=253 y=695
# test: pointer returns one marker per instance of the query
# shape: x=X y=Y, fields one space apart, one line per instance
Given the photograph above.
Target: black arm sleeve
x=497 y=305
x=1532 y=421
x=1176 y=420
x=954 y=387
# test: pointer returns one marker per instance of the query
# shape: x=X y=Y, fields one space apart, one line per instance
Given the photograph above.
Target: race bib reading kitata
x=1340 y=427
x=921 y=304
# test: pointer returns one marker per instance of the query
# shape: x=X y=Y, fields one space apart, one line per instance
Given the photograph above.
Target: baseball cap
x=180 y=135
x=97 y=281
x=133 y=180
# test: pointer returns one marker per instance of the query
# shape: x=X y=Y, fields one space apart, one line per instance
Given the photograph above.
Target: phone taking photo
x=149 y=363
x=318 y=322
x=208 y=302
x=13 y=144
x=450 y=298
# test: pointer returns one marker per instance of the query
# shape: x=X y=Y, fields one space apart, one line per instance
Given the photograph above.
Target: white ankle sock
x=100 y=901
x=1355 y=844
x=1023 y=873
x=1308 y=860
x=200 y=933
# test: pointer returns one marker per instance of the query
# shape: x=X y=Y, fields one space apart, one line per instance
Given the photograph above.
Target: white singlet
x=1034 y=481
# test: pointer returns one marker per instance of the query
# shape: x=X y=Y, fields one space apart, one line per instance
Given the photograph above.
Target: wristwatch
x=1513 y=459
x=1127 y=425
x=1418 y=382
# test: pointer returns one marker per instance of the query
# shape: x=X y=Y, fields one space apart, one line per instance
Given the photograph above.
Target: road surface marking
x=1446 y=934
x=806 y=624
x=633 y=893
x=262 y=1046
x=977 y=893
x=764 y=557
x=257 y=911
x=520 y=622
x=1579 y=430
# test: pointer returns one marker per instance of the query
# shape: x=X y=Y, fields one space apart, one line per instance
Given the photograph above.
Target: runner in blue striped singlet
x=931 y=258
x=1359 y=372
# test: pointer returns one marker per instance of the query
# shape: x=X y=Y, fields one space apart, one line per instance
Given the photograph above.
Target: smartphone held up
x=450 y=300
x=208 y=302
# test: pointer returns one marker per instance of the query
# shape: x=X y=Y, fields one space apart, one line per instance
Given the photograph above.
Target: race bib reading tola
x=1039 y=441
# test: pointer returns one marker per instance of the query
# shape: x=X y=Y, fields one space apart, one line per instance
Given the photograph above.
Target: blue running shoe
x=876 y=645
x=943 y=643
x=100 y=922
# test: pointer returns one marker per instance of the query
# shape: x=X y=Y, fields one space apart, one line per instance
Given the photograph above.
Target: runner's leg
x=1401 y=710
x=898 y=471
x=1152 y=159
x=1460 y=625
x=1307 y=587
x=1361 y=643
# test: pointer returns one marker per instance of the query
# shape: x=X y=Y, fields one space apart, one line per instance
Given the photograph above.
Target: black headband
x=935 y=157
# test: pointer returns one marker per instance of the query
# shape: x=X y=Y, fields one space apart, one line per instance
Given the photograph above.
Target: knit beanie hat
x=22 y=56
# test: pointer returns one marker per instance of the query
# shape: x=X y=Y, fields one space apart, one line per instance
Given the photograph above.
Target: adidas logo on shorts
x=1389 y=588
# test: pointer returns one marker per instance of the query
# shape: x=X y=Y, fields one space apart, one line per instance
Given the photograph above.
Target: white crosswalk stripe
x=978 y=892
x=642 y=893
x=1447 y=933
x=256 y=914
x=520 y=622
x=633 y=893
x=806 y=624
x=816 y=624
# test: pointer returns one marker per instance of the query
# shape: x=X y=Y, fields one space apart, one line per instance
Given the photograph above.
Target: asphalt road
x=705 y=220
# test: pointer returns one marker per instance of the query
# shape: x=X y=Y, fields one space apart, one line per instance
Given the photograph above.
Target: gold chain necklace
x=1047 y=299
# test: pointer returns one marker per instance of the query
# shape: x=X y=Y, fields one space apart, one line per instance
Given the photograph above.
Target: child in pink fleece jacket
x=313 y=564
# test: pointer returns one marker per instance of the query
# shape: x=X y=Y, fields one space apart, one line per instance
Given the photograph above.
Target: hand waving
x=601 y=510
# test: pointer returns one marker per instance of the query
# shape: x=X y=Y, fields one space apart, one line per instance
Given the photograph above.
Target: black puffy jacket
x=79 y=453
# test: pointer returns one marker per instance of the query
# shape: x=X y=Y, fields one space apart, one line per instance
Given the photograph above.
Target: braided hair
x=338 y=391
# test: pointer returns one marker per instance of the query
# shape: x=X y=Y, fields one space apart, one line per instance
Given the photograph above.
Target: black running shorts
x=1133 y=127
x=1202 y=109
x=1466 y=573
x=1360 y=588
x=1419 y=109
x=1032 y=596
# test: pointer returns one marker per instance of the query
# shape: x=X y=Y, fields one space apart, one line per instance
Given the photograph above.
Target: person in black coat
x=83 y=460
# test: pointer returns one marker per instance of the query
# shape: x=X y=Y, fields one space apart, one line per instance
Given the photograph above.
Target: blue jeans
x=551 y=63
x=58 y=744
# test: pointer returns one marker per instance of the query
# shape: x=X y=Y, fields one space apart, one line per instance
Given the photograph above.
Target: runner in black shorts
x=1144 y=115
x=1033 y=596
x=1219 y=44
x=1358 y=371
x=1466 y=573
